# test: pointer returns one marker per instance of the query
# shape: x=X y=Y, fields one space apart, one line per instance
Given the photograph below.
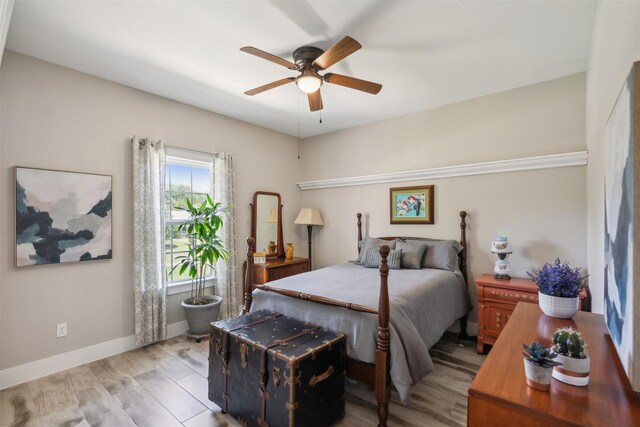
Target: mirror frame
x=280 y=246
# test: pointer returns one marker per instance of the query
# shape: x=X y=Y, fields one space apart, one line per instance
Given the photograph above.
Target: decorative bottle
x=288 y=252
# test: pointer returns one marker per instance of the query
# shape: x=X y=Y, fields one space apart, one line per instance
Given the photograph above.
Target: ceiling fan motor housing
x=305 y=55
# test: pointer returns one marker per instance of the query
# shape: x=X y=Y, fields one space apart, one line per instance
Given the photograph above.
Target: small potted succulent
x=571 y=349
x=538 y=365
x=559 y=288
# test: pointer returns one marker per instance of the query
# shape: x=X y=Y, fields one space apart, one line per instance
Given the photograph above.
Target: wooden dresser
x=499 y=395
x=277 y=268
x=496 y=301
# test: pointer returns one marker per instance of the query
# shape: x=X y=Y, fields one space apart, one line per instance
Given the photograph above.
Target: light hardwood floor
x=165 y=384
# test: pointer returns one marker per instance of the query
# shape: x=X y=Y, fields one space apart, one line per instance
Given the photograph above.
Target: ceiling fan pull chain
x=320 y=116
x=298 y=128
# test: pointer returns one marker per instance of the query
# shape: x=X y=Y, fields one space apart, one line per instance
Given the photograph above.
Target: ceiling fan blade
x=337 y=52
x=353 y=83
x=268 y=86
x=269 y=57
x=315 y=100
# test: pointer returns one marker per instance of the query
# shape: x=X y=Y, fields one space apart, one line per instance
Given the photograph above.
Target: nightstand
x=278 y=268
x=496 y=301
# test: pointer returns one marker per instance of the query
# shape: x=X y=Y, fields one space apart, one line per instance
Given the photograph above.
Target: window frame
x=190 y=159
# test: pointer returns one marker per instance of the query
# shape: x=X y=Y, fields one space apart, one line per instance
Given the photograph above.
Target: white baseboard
x=472 y=329
x=60 y=362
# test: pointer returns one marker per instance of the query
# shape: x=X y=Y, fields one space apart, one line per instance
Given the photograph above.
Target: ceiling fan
x=309 y=60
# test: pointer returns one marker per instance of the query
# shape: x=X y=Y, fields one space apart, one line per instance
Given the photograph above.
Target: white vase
x=560 y=307
x=573 y=371
x=538 y=377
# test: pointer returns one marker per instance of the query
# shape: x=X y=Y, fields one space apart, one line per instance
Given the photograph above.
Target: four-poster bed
x=376 y=372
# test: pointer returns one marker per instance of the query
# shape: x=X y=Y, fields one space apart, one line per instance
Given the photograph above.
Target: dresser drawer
x=287 y=270
x=509 y=295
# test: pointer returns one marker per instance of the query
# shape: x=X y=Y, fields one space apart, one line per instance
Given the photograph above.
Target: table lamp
x=309 y=217
x=500 y=246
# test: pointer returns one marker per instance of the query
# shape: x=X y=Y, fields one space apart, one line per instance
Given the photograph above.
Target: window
x=187 y=175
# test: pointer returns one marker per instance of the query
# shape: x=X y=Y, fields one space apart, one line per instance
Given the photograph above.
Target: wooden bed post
x=248 y=278
x=463 y=268
x=383 y=387
x=463 y=242
x=359 y=216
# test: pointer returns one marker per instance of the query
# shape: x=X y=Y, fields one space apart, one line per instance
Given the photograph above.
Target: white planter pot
x=538 y=378
x=562 y=308
x=573 y=371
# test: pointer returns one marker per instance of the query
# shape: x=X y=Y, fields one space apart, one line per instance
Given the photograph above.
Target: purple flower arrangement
x=558 y=279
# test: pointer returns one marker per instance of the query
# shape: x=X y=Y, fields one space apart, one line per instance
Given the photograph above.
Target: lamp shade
x=309 y=216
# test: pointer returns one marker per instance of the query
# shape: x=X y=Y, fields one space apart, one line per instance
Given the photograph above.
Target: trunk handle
x=319 y=378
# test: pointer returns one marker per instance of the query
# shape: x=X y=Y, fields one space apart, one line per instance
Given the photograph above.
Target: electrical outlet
x=61 y=330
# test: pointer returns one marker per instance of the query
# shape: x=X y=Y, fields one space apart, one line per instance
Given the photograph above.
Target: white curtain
x=224 y=191
x=149 y=275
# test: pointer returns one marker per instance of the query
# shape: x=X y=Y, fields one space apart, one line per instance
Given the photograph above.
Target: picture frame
x=61 y=216
x=412 y=205
x=621 y=231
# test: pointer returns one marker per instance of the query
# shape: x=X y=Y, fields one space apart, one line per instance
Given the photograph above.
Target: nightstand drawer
x=494 y=318
x=286 y=271
x=513 y=296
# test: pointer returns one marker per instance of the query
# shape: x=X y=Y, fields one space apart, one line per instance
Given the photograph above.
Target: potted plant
x=538 y=365
x=559 y=288
x=570 y=346
x=205 y=248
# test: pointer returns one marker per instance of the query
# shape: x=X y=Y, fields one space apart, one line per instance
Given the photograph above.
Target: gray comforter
x=424 y=303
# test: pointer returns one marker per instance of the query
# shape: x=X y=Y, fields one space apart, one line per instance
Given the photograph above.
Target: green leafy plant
x=539 y=355
x=205 y=246
x=569 y=343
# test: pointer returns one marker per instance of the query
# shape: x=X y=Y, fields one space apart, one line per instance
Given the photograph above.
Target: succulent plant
x=539 y=355
x=569 y=343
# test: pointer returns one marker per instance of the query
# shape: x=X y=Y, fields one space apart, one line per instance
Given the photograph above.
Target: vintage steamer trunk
x=267 y=369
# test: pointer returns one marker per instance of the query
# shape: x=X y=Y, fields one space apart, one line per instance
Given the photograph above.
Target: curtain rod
x=189 y=149
x=185 y=149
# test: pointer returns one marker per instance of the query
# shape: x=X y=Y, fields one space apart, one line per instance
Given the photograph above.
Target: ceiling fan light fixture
x=309 y=81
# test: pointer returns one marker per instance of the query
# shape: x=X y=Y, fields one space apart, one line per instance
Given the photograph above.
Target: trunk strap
x=262 y=421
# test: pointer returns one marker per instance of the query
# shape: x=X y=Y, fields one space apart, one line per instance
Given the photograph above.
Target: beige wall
x=614 y=48
x=543 y=212
x=53 y=117
x=57 y=118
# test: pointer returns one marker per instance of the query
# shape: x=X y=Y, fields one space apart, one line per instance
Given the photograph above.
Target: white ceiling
x=424 y=53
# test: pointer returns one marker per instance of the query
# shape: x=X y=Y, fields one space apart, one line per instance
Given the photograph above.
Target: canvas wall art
x=411 y=205
x=622 y=213
x=61 y=216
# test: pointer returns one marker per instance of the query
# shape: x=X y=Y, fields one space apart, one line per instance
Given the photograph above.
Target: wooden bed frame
x=375 y=375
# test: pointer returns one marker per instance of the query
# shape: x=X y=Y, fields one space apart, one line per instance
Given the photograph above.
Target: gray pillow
x=372 y=259
x=372 y=243
x=412 y=253
x=442 y=254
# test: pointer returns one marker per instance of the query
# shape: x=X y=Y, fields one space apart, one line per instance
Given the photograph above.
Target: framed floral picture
x=412 y=205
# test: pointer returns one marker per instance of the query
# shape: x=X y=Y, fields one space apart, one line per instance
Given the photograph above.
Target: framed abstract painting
x=622 y=224
x=411 y=205
x=61 y=216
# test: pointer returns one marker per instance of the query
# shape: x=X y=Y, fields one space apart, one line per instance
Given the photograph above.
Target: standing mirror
x=266 y=223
